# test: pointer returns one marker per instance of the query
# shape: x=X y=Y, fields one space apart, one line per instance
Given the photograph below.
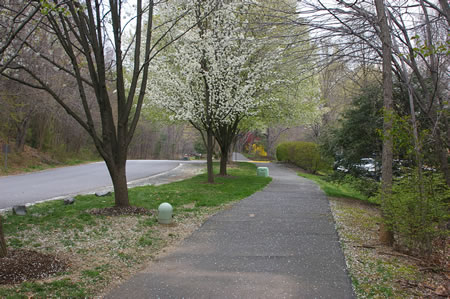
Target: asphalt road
x=47 y=184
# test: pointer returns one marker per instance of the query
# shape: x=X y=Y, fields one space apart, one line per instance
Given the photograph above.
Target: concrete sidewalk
x=278 y=243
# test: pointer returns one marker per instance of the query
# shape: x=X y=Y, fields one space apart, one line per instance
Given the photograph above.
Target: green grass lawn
x=337 y=190
x=241 y=183
x=126 y=242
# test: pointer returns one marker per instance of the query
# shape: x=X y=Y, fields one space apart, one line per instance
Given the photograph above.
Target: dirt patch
x=21 y=265
x=119 y=211
x=189 y=205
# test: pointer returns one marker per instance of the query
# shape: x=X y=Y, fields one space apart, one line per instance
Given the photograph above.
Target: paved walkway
x=278 y=243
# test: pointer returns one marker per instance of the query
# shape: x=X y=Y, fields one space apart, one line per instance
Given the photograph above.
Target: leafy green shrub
x=303 y=154
x=417 y=217
x=364 y=185
x=282 y=151
x=336 y=189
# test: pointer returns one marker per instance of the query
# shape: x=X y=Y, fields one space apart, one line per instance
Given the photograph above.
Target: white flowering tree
x=299 y=102
x=214 y=76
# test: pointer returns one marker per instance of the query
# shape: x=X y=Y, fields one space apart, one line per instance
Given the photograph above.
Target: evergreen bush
x=282 y=151
x=303 y=154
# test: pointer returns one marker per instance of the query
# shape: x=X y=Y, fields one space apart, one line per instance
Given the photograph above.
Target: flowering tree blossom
x=215 y=75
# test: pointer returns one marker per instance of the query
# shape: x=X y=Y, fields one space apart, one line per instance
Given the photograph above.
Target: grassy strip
x=50 y=215
x=102 y=248
x=337 y=190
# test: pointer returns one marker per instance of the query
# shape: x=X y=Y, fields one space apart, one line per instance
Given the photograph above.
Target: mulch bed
x=118 y=211
x=20 y=265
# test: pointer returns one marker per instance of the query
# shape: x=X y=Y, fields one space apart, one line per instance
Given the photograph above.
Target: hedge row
x=303 y=154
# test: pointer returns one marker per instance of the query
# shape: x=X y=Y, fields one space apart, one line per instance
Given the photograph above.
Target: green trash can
x=262 y=171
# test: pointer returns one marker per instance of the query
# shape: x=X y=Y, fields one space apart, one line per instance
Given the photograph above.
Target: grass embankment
x=102 y=249
x=376 y=271
x=31 y=160
x=337 y=190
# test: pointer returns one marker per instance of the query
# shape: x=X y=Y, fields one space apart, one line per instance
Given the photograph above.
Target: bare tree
x=13 y=22
x=93 y=52
x=420 y=33
x=428 y=68
x=15 y=19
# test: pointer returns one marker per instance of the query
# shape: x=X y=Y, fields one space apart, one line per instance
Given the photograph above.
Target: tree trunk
x=232 y=150
x=412 y=109
x=22 y=134
x=386 y=235
x=434 y=72
x=230 y=154
x=441 y=151
x=118 y=175
x=209 y=156
x=444 y=145
x=446 y=9
x=3 y=250
x=223 y=161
